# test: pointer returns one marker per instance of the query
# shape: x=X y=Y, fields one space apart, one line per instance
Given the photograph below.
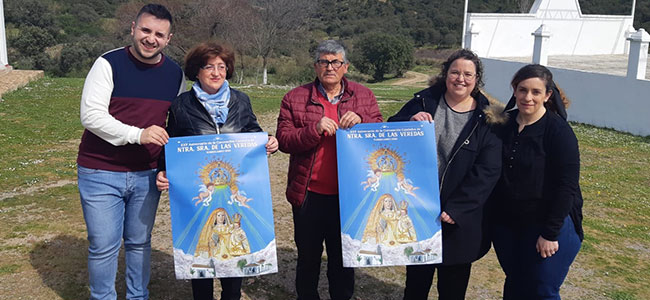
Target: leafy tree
x=29 y=12
x=32 y=40
x=72 y=58
x=408 y=251
x=378 y=54
x=241 y=263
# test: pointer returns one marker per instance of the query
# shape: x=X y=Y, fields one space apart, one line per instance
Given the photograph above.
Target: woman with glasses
x=211 y=107
x=469 y=164
x=537 y=203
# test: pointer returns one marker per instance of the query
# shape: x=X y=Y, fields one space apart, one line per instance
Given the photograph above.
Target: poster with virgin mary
x=388 y=194
x=220 y=202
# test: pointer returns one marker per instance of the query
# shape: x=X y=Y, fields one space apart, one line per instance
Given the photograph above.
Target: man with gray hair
x=309 y=117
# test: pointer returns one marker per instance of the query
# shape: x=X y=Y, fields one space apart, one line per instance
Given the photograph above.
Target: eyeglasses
x=211 y=68
x=323 y=63
x=453 y=75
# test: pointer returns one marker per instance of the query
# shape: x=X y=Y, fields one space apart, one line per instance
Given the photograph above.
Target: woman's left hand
x=547 y=248
x=446 y=218
x=271 y=145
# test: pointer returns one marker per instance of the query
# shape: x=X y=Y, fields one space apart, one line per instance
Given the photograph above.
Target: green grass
x=40 y=131
x=9 y=269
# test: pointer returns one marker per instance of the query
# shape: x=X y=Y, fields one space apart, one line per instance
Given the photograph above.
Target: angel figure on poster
x=373 y=180
x=406 y=185
x=239 y=197
x=205 y=194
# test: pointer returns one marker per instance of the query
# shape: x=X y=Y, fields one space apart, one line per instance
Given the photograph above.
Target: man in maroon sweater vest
x=309 y=117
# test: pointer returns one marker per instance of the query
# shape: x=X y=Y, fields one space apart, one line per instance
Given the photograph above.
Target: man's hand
x=422 y=116
x=327 y=126
x=349 y=119
x=162 y=183
x=154 y=134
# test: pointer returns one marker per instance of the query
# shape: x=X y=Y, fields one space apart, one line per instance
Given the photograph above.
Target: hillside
x=63 y=37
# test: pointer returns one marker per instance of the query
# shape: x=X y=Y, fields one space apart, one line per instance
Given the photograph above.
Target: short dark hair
x=440 y=80
x=157 y=10
x=199 y=55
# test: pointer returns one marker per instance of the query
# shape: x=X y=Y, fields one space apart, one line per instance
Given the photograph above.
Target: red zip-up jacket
x=297 y=134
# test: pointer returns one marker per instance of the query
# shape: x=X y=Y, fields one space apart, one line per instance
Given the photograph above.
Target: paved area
x=607 y=64
x=11 y=80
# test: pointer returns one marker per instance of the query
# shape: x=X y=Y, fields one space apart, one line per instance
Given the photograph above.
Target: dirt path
x=412 y=78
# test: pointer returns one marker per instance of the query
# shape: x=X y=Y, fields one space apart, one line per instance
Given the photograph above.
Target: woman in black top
x=537 y=204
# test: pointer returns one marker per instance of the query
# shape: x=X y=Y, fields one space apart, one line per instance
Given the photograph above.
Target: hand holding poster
x=388 y=193
x=220 y=199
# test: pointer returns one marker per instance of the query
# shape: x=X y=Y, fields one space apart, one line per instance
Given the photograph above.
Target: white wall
x=3 y=38
x=509 y=35
x=601 y=100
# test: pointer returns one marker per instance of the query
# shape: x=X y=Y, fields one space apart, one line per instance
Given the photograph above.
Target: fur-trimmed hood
x=494 y=113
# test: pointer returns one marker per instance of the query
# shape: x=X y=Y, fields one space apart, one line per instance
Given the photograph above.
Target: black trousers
x=452 y=281
x=202 y=289
x=318 y=220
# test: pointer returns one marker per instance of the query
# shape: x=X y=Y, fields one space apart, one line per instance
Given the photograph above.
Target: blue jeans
x=116 y=206
x=528 y=275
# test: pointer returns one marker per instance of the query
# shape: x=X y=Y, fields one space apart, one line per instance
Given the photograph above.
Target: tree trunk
x=264 y=76
x=241 y=74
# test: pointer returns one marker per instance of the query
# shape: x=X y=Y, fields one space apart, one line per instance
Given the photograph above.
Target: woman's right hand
x=162 y=183
x=546 y=248
x=422 y=116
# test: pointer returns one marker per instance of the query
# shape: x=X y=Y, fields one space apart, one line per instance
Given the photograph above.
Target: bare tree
x=237 y=31
x=277 y=22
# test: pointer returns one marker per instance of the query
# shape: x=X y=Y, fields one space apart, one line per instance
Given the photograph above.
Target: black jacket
x=188 y=117
x=468 y=179
x=539 y=185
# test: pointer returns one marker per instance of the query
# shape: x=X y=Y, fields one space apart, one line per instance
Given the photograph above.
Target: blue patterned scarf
x=215 y=104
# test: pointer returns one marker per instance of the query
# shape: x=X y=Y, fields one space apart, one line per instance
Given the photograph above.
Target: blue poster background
x=213 y=173
x=388 y=191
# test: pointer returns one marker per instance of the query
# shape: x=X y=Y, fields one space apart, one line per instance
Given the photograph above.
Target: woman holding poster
x=537 y=222
x=469 y=165
x=211 y=107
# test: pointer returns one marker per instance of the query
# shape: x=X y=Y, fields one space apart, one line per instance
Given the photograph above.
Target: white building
x=256 y=268
x=202 y=271
x=422 y=256
x=572 y=33
x=369 y=258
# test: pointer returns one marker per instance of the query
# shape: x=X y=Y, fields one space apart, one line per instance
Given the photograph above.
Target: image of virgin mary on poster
x=388 y=193
x=221 y=210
